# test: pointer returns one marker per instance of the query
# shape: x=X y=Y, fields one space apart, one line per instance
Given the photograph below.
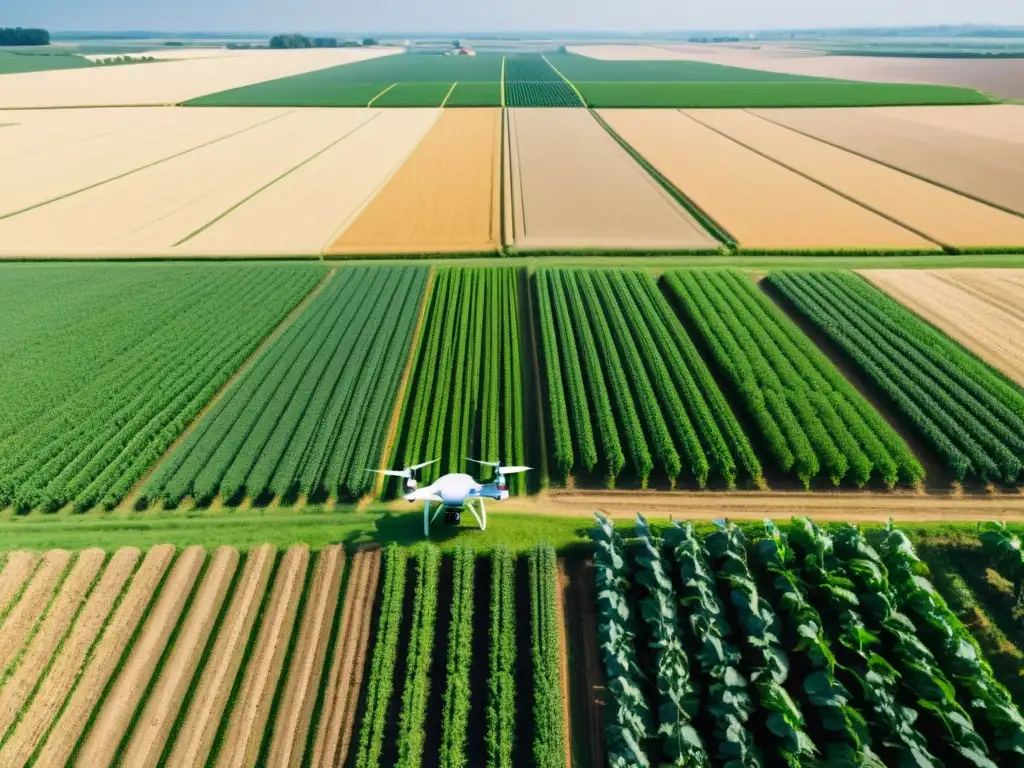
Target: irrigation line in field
x=445 y=100
x=144 y=167
x=583 y=102
x=503 y=82
x=370 y=103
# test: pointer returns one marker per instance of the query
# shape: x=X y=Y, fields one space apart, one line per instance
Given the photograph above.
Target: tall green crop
x=455 y=718
x=501 y=680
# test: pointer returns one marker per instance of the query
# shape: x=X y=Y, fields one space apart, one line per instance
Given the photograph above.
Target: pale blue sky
x=496 y=15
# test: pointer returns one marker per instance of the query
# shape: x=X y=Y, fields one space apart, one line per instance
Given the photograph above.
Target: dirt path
x=564 y=619
x=30 y=666
x=199 y=728
x=296 y=709
x=334 y=731
x=26 y=613
x=17 y=570
x=164 y=701
x=586 y=678
x=105 y=658
x=252 y=708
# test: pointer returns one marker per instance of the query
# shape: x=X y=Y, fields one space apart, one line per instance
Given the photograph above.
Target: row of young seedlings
x=90 y=449
x=639 y=377
x=811 y=419
x=876 y=682
x=970 y=414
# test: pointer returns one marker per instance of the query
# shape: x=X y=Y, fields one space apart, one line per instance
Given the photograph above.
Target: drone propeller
x=407 y=472
x=498 y=468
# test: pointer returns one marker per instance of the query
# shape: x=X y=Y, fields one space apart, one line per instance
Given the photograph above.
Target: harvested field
x=27 y=612
x=104 y=659
x=757 y=201
x=444 y=198
x=16 y=689
x=939 y=214
x=165 y=700
x=168 y=82
x=1004 y=122
x=63 y=673
x=244 y=736
x=573 y=186
x=154 y=209
x=295 y=712
x=113 y=719
x=983 y=309
x=211 y=691
x=344 y=681
x=18 y=567
x=985 y=168
x=303 y=212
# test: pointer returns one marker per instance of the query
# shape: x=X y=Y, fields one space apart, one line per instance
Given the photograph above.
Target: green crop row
x=812 y=421
x=311 y=415
x=137 y=360
x=967 y=412
x=501 y=680
x=385 y=658
x=548 y=703
x=467 y=391
x=455 y=718
x=412 y=725
x=613 y=348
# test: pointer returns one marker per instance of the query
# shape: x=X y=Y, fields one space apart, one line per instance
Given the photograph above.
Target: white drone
x=455 y=492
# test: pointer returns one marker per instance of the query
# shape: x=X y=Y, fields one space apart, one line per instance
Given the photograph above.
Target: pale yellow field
x=284 y=183
x=756 y=200
x=444 y=198
x=1004 y=122
x=983 y=309
x=939 y=214
x=168 y=82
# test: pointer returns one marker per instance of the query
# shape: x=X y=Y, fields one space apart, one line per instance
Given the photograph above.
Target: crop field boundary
x=583 y=102
x=370 y=102
x=145 y=167
x=717 y=231
x=274 y=181
x=503 y=83
x=445 y=101
x=904 y=171
x=133 y=495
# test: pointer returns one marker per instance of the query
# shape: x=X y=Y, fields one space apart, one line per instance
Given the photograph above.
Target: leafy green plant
x=1004 y=549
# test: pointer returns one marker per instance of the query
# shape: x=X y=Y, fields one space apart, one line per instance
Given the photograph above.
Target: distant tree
x=174 y=44
x=290 y=41
x=19 y=36
x=456 y=43
x=371 y=41
x=325 y=42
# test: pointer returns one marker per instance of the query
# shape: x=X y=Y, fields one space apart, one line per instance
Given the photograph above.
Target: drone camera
x=452 y=517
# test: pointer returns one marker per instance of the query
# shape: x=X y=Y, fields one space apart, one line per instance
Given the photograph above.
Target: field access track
x=445 y=197
x=983 y=309
x=757 y=201
x=573 y=186
x=988 y=169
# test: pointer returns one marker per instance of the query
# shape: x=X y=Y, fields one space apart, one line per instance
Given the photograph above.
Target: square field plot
x=413 y=95
x=475 y=95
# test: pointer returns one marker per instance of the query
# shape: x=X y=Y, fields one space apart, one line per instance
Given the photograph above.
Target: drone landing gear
x=480 y=516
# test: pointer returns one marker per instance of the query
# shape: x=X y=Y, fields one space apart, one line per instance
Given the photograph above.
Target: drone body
x=455 y=492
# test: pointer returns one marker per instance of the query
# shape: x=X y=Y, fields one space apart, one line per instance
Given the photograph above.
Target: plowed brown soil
x=16 y=572
x=981 y=309
x=252 y=707
x=15 y=692
x=199 y=728
x=112 y=721
x=985 y=168
x=756 y=200
x=573 y=186
x=583 y=662
x=937 y=213
x=27 y=612
x=164 y=701
x=104 y=659
x=295 y=712
x=444 y=198
x=334 y=729
x=62 y=675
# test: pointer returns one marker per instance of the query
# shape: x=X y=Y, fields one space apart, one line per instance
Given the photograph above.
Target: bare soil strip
x=164 y=701
x=17 y=627
x=295 y=712
x=564 y=619
x=199 y=728
x=249 y=716
x=583 y=661
x=17 y=570
x=573 y=186
x=66 y=668
x=337 y=719
x=115 y=716
x=759 y=202
x=30 y=666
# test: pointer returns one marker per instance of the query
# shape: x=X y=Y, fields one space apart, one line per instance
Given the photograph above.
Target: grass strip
x=370 y=103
